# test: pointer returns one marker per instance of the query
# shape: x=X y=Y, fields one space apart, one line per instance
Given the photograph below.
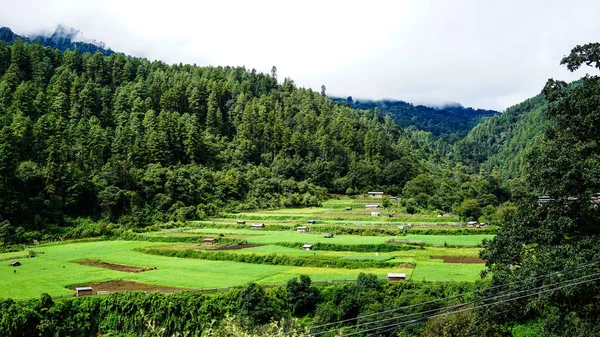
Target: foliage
x=541 y=238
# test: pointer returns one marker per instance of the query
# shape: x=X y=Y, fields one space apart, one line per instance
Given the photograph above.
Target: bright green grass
x=436 y=270
x=45 y=273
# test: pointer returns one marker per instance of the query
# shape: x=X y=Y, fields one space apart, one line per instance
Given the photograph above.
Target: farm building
x=348 y=208
x=302 y=229
x=375 y=194
x=15 y=264
x=258 y=225
x=472 y=223
x=312 y=221
x=543 y=199
x=375 y=213
x=372 y=206
x=396 y=277
x=393 y=198
x=328 y=235
x=401 y=228
x=241 y=222
x=84 y=291
x=307 y=247
x=209 y=241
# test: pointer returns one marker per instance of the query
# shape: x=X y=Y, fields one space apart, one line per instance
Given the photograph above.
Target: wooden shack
x=15 y=264
x=377 y=195
x=328 y=235
x=84 y=291
x=302 y=229
x=396 y=277
x=312 y=221
x=257 y=225
x=241 y=222
x=307 y=247
x=375 y=213
x=209 y=241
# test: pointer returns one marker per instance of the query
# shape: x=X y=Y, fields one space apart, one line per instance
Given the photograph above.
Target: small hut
x=328 y=235
x=302 y=229
x=396 y=277
x=307 y=247
x=472 y=223
x=375 y=213
x=258 y=225
x=401 y=228
x=209 y=241
x=375 y=195
x=312 y=221
x=348 y=208
x=84 y=291
x=15 y=264
x=371 y=206
x=241 y=222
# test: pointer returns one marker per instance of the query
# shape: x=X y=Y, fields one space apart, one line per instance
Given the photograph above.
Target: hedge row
x=270 y=259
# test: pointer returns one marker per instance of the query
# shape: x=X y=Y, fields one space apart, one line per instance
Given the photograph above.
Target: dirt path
x=117 y=267
x=120 y=285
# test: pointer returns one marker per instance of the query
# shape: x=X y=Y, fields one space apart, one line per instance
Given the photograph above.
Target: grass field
x=56 y=268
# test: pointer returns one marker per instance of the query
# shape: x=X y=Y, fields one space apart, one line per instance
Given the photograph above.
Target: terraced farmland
x=177 y=259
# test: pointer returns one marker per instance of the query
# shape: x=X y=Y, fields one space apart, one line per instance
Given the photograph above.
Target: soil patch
x=236 y=247
x=120 y=285
x=117 y=267
x=455 y=259
x=405 y=265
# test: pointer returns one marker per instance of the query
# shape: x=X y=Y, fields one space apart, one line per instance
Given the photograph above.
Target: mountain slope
x=503 y=141
x=444 y=121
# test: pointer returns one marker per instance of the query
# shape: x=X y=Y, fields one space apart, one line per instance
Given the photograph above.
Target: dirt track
x=236 y=247
x=454 y=259
x=117 y=267
x=112 y=286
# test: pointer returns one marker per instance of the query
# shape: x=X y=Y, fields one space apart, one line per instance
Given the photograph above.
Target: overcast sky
x=485 y=54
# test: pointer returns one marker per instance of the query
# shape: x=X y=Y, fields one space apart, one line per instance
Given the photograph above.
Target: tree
x=300 y=296
x=562 y=234
x=323 y=90
x=254 y=308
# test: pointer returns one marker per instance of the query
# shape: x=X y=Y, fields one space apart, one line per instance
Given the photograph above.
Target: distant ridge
x=451 y=119
x=62 y=38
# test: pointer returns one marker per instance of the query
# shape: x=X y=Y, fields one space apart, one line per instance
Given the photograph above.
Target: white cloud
x=481 y=53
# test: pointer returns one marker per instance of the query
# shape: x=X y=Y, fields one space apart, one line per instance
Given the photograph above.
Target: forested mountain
x=62 y=39
x=452 y=120
x=503 y=141
x=87 y=134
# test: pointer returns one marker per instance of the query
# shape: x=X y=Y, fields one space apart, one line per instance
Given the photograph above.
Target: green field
x=56 y=268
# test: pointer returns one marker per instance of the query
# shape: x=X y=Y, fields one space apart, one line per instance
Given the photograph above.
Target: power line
x=500 y=295
x=460 y=295
x=395 y=325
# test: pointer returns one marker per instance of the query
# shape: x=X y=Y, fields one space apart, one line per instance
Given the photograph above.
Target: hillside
x=453 y=120
x=62 y=38
x=503 y=141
